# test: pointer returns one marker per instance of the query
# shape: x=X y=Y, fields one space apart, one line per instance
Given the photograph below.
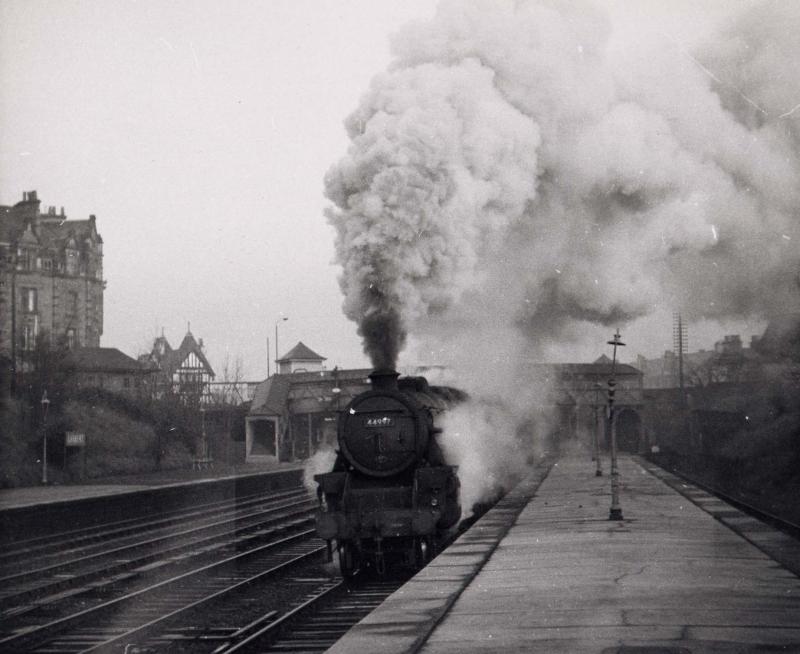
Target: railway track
x=786 y=526
x=147 y=569
x=18 y=553
x=114 y=624
x=317 y=622
x=40 y=575
x=230 y=577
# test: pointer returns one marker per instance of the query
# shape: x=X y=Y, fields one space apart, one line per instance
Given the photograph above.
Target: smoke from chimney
x=509 y=153
x=513 y=182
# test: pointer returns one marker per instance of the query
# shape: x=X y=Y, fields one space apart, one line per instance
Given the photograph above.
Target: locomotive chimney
x=384 y=379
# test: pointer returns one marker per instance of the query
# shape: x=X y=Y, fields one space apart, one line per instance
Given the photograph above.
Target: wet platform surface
x=546 y=571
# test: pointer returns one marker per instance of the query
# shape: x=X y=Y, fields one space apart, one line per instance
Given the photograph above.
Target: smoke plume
x=512 y=174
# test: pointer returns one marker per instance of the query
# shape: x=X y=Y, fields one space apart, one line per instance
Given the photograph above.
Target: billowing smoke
x=440 y=161
x=321 y=462
x=513 y=178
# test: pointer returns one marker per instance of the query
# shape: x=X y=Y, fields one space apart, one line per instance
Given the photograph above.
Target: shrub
x=20 y=464
x=115 y=443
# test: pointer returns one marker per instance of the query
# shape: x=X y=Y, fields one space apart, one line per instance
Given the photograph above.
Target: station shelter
x=294 y=414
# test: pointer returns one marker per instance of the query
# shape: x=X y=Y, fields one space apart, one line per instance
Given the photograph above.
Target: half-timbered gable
x=184 y=371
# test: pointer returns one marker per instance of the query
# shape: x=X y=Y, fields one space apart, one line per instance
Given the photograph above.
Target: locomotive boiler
x=391 y=496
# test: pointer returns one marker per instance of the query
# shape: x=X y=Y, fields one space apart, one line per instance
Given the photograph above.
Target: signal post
x=615 y=512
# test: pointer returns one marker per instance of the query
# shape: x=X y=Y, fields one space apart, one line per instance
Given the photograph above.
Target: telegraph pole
x=599 y=464
x=680 y=338
x=616 y=509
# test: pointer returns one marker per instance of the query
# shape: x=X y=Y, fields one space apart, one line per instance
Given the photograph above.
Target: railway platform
x=30 y=496
x=36 y=511
x=546 y=571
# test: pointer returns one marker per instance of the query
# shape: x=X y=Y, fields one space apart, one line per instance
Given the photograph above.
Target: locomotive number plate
x=383 y=421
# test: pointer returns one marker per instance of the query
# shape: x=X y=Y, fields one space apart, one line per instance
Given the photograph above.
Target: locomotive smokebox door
x=381 y=436
x=382 y=432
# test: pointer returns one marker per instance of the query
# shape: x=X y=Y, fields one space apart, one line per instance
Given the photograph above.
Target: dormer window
x=72 y=262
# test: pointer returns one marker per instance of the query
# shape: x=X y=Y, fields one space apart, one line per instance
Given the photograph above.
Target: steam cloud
x=513 y=174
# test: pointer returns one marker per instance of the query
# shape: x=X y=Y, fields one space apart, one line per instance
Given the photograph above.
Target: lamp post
x=599 y=464
x=45 y=406
x=278 y=322
x=203 y=443
x=616 y=510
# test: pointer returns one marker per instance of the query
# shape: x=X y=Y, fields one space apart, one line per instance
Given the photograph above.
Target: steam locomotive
x=391 y=496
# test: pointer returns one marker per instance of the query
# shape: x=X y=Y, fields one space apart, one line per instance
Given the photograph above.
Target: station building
x=293 y=413
x=580 y=399
x=292 y=416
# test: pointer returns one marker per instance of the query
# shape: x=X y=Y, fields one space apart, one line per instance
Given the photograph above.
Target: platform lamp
x=45 y=407
x=616 y=510
x=598 y=463
x=278 y=322
x=203 y=437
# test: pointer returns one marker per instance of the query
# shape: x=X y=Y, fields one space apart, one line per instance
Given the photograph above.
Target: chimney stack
x=384 y=379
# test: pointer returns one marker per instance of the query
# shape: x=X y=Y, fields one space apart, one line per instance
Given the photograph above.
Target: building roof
x=49 y=229
x=601 y=367
x=272 y=394
x=301 y=352
x=104 y=359
x=169 y=360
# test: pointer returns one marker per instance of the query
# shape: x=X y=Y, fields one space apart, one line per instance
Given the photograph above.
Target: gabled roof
x=271 y=396
x=301 y=352
x=171 y=359
x=104 y=359
x=53 y=229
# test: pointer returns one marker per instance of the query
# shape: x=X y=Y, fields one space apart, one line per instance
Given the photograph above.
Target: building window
x=71 y=339
x=72 y=303
x=72 y=262
x=48 y=264
x=29 y=300
x=126 y=382
x=29 y=333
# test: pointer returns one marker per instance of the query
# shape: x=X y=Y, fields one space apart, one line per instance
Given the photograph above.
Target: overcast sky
x=199 y=134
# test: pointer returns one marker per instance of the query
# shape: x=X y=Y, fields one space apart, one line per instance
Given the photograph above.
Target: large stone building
x=51 y=279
